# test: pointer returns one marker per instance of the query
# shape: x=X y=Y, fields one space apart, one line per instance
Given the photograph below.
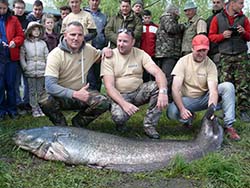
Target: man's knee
x=226 y=87
x=172 y=111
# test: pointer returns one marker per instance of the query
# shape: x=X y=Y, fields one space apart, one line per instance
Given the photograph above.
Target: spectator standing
x=81 y=16
x=137 y=8
x=22 y=103
x=64 y=11
x=11 y=38
x=195 y=25
x=37 y=12
x=125 y=18
x=122 y=75
x=50 y=37
x=33 y=57
x=195 y=87
x=99 y=42
x=213 y=52
x=231 y=30
x=168 y=42
x=148 y=39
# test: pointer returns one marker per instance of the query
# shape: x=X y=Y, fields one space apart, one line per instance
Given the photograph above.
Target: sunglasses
x=127 y=31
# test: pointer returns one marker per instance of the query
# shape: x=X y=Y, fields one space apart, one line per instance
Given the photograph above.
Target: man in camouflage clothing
x=231 y=30
x=122 y=75
x=195 y=25
x=168 y=42
x=65 y=80
x=125 y=18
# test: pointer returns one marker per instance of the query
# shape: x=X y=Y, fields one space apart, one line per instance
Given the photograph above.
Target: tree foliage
x=157 y=7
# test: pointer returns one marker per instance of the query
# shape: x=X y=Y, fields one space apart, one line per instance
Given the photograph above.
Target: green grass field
x=227 y=168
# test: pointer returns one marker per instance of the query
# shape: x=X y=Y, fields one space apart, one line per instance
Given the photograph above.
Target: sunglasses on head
x=127 y=31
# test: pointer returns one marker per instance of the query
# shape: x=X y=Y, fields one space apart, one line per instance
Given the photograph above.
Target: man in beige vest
x=195 y=25
x=195 y=87
x=122 y=76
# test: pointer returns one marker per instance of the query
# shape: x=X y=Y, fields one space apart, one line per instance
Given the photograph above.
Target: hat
x=200 y=42
x=172 y=9
x=190 y=5
x=30 y=27
x=138 y=2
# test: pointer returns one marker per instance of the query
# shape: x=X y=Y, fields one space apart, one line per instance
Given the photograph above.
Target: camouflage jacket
x=169 y=37
x=117 y=22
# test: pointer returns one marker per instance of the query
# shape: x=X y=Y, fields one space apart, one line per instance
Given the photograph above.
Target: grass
x=227 y=168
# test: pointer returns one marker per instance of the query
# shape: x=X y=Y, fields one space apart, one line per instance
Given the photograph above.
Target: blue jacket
x=99 y=41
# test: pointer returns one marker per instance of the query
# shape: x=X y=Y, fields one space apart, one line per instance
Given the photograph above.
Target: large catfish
x=80 y=146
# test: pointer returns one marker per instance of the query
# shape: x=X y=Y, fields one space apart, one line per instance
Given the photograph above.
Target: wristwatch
x=163 y=91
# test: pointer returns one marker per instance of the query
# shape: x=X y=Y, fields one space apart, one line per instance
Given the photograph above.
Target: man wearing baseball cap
x=195 y=87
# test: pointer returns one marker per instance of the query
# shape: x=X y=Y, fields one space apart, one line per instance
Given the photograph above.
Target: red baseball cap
x=200 y=42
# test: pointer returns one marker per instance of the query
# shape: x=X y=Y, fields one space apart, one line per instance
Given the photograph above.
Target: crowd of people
x=178 y=67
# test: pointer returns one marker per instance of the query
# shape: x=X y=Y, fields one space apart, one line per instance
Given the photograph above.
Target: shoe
x=35 y=112
x=40 y=112
x=21 y=111
x=13 y=116
x=151 y=132
x=244 y=117
x=27 y=107
x=232 y=133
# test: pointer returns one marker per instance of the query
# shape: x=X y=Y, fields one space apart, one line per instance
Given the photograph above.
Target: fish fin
x=57 y=151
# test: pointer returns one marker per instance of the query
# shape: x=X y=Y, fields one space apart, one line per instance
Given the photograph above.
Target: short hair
x=18 y=1
x=65 y=8
x=147 y=13
x=47 y=16
x=75 y=23
x=38 y=3
x=6 y=2
x=127 y=1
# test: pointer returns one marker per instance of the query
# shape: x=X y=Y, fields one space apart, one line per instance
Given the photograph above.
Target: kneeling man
x=122 y=76
x=195 y=87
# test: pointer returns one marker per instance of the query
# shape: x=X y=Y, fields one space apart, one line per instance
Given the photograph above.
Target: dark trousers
x=7 y=87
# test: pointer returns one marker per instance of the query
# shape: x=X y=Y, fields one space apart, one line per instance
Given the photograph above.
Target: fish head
x=32 y=139
x=43 y=142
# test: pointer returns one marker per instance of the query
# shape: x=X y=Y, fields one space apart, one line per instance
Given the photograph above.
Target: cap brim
x=201 y=47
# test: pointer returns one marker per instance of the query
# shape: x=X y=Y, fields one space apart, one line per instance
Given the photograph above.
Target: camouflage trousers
x=87 y=111
x=236 y=69
x=146 y=93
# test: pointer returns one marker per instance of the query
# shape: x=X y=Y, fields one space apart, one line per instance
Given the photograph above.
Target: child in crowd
x=50 y=37
x=33 y=60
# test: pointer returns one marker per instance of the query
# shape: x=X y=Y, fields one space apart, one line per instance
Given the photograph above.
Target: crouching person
x=195 y=87
x=65 y=80
x=122 y=76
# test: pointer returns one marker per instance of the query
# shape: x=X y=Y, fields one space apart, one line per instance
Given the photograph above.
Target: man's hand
x=185 y=114
x=12 y=44
x=241 y=29
x=162 y=101
x=227 y=34
x=129 y=108
x=107 y=52
x=82 y=94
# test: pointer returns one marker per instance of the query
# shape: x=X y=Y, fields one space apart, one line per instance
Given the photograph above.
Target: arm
x=201 y=27
x=22 y=58
x=177 y=97
x=161 y=81
x=129 y=108
x=91 y=35
x=109 y=33
x=138 y=29
x=213 y=92
x=213 y=34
